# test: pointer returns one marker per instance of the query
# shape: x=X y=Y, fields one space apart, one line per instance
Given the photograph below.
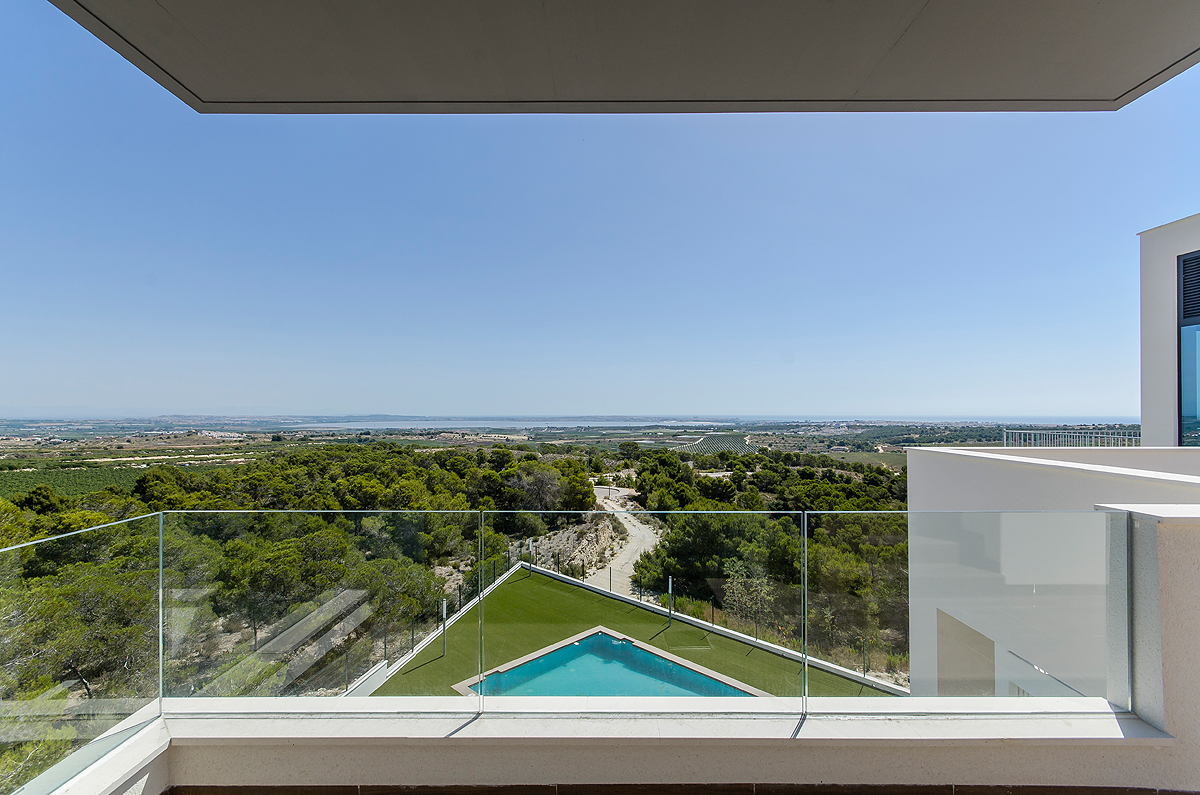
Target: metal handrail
x=1071 y=438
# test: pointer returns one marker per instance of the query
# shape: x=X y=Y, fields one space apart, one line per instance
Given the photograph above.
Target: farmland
x=892 y=460
x=717 y=442
x=74 y=482
x=68 y=482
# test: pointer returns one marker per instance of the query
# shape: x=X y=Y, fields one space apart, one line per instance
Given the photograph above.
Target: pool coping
x=464 y=687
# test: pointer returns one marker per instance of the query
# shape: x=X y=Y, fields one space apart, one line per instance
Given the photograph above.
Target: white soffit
x=628 y=56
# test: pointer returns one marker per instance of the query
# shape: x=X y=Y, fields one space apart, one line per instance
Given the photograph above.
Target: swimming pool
x=605 y=664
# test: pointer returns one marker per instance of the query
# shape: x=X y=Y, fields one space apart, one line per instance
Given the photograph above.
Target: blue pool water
x=601 y=665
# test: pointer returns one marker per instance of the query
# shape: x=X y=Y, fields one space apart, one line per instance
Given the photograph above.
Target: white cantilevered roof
x=505 y=56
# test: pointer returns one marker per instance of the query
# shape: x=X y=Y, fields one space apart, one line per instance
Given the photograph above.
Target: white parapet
x=1049 y=479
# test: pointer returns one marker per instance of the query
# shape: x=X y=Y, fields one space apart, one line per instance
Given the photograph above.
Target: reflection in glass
x=1020 y=604
x=1189 y=386
x=300 y=603
x=78 y=645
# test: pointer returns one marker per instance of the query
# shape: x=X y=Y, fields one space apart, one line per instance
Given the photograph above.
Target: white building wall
x=1161 y=248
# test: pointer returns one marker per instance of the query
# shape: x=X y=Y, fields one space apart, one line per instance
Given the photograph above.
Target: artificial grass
x=531 y=611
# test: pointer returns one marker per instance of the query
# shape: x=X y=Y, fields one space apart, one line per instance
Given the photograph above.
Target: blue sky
x=154 y=260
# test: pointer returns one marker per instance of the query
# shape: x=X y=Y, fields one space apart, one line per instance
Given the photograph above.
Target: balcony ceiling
x=629 y=56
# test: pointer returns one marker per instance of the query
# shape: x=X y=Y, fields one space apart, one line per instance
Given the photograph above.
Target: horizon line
x=763 y=418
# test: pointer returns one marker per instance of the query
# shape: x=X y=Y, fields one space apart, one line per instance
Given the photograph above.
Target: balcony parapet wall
x=1049 y=478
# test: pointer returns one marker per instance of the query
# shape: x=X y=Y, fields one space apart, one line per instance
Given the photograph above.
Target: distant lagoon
x=518 y=423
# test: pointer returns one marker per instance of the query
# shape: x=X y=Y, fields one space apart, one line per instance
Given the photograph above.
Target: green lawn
x=529 y=612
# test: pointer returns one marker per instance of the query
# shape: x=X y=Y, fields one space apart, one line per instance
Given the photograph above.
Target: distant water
x=519 y=423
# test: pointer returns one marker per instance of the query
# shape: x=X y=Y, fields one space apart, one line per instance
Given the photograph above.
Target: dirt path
x=642 y=537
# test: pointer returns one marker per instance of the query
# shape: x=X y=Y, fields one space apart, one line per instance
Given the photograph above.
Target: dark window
x=1189 y=349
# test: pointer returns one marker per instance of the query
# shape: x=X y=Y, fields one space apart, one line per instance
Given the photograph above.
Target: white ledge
x=1145 y=474
x=1167 y=513
x=377 y=720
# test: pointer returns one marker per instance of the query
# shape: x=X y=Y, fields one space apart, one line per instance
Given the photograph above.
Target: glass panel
x=311 y=603
x=437 y=644
x=858 y=596
x=598 y=612
x=1020 y=604
x=79 y=644
x=1189 y=385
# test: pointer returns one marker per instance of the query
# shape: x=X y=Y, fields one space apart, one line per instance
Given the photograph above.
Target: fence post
x=670 y=601
x=161 y=613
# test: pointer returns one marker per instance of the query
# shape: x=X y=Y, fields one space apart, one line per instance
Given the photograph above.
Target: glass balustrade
x=483 y=607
